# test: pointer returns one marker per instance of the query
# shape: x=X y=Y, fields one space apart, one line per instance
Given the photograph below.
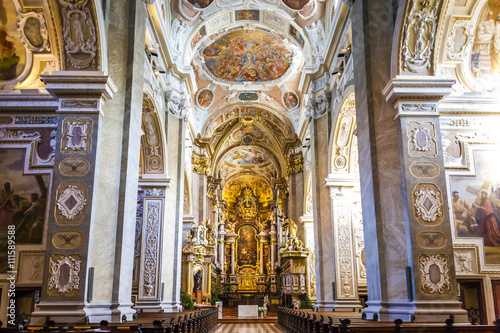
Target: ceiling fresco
x=247 y=156
x=200 y=3
x=247 y=56
x=296 y=4
x=259 y=185
x=217 y=123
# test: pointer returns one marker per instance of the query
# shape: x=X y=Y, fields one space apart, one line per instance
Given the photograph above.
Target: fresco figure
x=484 y=35
x=465 y=224
x=487 y=221
x=6 y=207
x=495 y=49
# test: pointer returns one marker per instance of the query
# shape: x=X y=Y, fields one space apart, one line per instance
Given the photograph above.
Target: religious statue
x=198 y=277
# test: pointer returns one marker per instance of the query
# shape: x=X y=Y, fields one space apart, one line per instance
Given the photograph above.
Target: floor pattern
x=248 y=328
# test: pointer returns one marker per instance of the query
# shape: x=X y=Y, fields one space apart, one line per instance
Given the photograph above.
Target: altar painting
x=476 y=204
x=12 y=52
x=247 y=246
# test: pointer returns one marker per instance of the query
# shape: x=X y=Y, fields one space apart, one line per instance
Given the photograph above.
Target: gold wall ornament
x=434 y=273
x=200 y=164
x=247 y=206
x=295 y=164
x=247 y=282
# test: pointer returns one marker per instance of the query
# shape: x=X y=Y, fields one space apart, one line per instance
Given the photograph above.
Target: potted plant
x=263 y=311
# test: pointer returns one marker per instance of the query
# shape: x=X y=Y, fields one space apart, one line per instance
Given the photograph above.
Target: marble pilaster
x=416 y=102
x=323 y=227
x=172 y=236
x=346 y=295
x=80 y=97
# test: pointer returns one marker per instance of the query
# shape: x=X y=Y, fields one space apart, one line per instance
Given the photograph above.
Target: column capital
x=417 y=97
x=157 y=181
x=92 y=89
x=340 y=187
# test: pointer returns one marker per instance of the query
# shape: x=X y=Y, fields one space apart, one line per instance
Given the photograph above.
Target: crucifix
x=484 y=187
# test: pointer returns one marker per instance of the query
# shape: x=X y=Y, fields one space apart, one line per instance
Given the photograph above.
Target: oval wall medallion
x=74 y=167
x=424 y=169
x=67 y=239
x=431 y=239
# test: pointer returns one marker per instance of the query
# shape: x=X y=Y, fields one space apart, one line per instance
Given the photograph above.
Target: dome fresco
x=247 y=56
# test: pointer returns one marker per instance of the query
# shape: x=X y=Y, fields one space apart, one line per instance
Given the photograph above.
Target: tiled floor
x=248 y=328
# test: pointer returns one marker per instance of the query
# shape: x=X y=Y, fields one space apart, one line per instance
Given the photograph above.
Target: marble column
x=386 y=250
x=346 y=295
x=175 y=129
x=434 y=286
x=73 y=196
x=199 y=184
x=323 y=227
x=296 y=190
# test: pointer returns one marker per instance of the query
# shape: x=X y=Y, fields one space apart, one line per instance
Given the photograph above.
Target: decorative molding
x=428 y=204
x=77 y=136
x=434 y=273
x=344 y=256
x=419 y=35
x=424 y=169
x=32 y=30
x=64 y=274
x=154 y=192
x=71 y=202
x=317 y=106
x=67 y=239
x=151 y=248
x=72 y=167
x=178 y=107
x=295 y=163
x=461 y=32
x=464 y=262
x=421 y=139
x=431 y=239
x=200 y=164
x=79 y=33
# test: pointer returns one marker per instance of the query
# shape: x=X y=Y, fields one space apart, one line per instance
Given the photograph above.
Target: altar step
x=230 y=316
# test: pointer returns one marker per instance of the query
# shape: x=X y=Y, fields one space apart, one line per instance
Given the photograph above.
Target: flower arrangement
x=262 y=309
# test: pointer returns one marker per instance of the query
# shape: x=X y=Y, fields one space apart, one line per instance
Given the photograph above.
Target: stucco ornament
x=63 y=272
x=71 y=202
x=79 y=33
x=428 y=204
x=419 y=35
x=434 y=273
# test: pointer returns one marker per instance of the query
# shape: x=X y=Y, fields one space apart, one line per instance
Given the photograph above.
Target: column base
x=61 y=313
x=325 y=306
x=145 y=305
x=424 y=311
x=438 y=311
x=348 y=305
x=171 y=307
x=119 y=310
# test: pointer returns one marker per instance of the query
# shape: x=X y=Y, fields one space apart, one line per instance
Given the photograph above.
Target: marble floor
x=248 y=328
